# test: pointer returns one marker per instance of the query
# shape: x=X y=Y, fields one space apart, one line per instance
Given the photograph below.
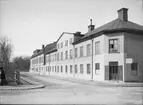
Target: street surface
x=66 y=92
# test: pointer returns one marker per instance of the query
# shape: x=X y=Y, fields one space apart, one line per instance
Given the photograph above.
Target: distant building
x=113 y=51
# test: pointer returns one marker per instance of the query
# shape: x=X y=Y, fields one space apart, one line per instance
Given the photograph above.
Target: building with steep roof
x=113 y=51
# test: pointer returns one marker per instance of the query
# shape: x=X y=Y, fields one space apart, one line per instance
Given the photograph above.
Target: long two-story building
x=113 y=51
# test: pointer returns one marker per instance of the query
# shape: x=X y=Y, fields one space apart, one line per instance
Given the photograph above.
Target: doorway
x=113 y=71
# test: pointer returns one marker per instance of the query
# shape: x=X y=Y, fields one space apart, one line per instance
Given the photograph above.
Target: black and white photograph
x=71 y=52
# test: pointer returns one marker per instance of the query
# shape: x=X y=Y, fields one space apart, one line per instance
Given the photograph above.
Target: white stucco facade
x=54 y=64
x=113 y=51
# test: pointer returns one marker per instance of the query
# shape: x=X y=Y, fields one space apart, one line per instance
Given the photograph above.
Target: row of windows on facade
x=60 y=45
x=70 y=69
x=134 y=68
x=113 y=48
x=38 y=60
x=81 y=49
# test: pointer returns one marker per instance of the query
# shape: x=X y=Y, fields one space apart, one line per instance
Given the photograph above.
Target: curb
x=99 y=83
x=28 y=87
x=35 y=85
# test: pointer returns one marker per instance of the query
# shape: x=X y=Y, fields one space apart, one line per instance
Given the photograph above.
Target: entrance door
x=113 y=71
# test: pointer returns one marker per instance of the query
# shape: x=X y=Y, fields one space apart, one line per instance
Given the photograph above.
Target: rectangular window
x=70 y=68
x=57 y=68
x=66 y=55
x=57 y=56
x=52 y=68
x=75 y=69
x=97 y=47
x=76 y=52
x=61 y=55
x=81 y=51
x=113 y=45
x=134 y=68
x=88 y=68
x=70 y=53
x=66 y=68
x=81 y=68
x=97 y=67
x=66 y=42
x=88 y=50
x=61 y=44
x=70 y=40
x=61 y=69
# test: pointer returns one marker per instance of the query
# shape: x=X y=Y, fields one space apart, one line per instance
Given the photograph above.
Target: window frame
x=66 y=54
x=76 y=52
x=71 y=68
x=88 y=71
x=75 y=69
x=97 y=47
x=97 y=67
x=81 y=51
x=113 y=51
x=88 y=49
x=61 y=69
x=71 y=53
x=66 y=69
x=81 y=68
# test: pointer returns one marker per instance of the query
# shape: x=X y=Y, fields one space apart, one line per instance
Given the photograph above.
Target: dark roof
x=37 y=54
x=52 y=50
x=116 y=25
x=50 y=47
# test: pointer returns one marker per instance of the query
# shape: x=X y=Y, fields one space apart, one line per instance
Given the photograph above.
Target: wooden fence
x=13 y=75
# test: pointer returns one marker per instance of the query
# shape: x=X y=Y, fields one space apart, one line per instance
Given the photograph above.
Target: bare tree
x=22 y=63
x=5 y=52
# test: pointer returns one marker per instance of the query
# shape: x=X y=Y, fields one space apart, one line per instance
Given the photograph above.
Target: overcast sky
x=31 y=23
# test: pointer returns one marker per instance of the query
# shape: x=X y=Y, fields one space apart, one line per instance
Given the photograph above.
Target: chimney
x=42 y=46
x=77 y=33
x=123 y=14
x=90 y=27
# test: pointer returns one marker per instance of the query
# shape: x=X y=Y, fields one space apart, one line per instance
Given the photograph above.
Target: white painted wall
x=132 y=45
x=117 y=57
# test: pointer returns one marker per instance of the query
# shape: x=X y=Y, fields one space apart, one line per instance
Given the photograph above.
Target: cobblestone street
x=59 y=91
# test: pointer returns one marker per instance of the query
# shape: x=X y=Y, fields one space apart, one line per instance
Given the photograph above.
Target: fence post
x=18 y=77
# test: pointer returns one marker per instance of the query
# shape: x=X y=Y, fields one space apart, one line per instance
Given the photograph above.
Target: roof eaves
x=107 y=32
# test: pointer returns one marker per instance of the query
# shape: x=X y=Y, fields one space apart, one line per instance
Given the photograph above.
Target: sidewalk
x=99 y=83
x=30 y=85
